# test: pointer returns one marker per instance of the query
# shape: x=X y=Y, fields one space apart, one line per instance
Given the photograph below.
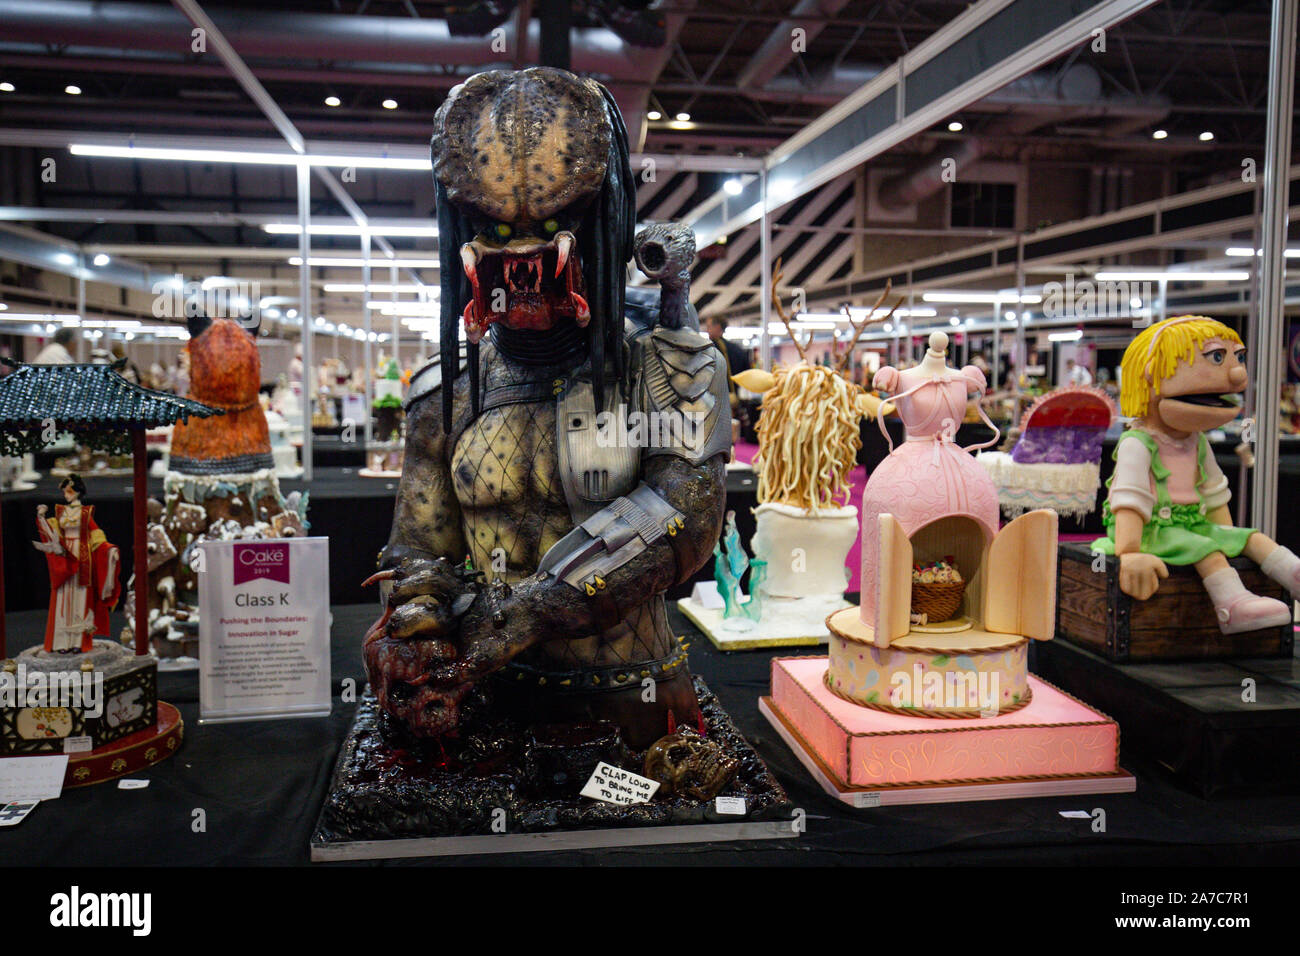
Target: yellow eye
x=503 y=230
x=550 y=225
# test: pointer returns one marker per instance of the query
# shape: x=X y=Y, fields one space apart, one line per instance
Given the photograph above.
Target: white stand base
x=861 y=798
x=785 y=622
x=555 y=841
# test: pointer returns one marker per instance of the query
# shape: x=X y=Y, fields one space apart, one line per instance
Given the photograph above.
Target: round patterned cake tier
x=967 y=673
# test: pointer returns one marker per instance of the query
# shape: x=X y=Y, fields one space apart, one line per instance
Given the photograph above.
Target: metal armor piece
x=685 y=381
x=610 y=538
x=598 y=461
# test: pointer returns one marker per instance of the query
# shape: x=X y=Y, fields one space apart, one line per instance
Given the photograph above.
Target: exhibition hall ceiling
x=1174 y=96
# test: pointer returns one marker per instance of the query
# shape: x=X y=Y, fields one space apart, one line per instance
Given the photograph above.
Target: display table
x=261 y=785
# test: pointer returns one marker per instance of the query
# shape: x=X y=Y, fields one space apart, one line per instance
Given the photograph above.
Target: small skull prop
x=687 y=763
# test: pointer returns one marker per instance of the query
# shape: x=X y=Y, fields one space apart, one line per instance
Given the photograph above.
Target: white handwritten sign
x=613 y=785
x=32 y=778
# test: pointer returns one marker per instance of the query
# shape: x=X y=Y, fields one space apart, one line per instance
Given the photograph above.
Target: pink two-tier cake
x=923 y=709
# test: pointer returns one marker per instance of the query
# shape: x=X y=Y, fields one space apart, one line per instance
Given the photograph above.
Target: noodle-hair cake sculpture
x=864 y=718
x=808 y=441
x=1168 y=498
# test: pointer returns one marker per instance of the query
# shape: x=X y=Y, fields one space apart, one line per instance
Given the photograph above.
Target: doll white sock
x=1224 y=587
x=1283 y=566
x=1237 y=609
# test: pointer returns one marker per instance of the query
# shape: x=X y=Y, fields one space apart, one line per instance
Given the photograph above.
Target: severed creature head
x=536 y=212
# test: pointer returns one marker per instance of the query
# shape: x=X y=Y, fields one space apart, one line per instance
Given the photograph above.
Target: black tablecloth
x=261 y=786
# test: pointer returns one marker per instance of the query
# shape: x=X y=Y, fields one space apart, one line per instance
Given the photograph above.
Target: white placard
x=706 y=594
x=264 y=629
x=78 y=745
x=864 y=801
x=614 y=785
x=354 y=409
x=734 y=805
x=12 y=814
x=1076 y=814
x=130 y=784
x=23 y=779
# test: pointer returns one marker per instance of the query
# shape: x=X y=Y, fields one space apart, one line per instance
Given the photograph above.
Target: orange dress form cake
x=226 y=373
x=222 y=482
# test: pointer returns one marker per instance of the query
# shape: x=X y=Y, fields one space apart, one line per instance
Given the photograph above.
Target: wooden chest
x=1176 y=623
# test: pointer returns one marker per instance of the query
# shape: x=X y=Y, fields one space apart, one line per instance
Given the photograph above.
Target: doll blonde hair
x=1154 y=355
x=808 y=438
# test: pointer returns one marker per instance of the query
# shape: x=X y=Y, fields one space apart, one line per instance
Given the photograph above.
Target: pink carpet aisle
x=858 y=479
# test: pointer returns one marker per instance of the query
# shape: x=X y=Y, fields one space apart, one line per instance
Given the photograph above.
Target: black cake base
x=381 y=805
x=1195 y=718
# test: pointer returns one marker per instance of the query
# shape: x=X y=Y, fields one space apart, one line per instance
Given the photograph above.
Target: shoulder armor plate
x=685 y=375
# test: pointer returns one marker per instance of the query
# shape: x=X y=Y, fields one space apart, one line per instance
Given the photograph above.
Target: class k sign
x=264 y=629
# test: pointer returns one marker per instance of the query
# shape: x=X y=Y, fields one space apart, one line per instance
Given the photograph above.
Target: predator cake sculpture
x=538 y=520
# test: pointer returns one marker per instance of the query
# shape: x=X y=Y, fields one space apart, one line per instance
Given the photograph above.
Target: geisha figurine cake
x=1168 y=500
x=949 y=607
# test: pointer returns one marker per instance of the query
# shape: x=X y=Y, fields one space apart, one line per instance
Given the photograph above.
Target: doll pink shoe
x=1250 y=612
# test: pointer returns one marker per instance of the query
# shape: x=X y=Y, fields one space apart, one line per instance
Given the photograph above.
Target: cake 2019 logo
x=267 y=561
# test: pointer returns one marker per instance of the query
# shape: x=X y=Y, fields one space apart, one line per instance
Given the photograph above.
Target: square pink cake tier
x=1054 y=737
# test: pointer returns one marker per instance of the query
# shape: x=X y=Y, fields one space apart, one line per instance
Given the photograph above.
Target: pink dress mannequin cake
x=862 y=719
x=929 y=476
x=930 y=501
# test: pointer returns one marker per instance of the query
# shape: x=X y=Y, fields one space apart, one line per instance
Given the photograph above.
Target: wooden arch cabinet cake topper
x=1168 y=499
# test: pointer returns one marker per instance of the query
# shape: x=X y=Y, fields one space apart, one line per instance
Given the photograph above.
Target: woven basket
x=939 y=602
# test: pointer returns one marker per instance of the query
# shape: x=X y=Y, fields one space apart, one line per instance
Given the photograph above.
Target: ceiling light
x=291 y=314
x=1065 y=336
x=1010 y=316
x=1156 y=275
x=3 y=307
x=1240 y=252
x=955 y=126
x=101 y=259
x=293 y=229
x=72 y=90
x=1206 y=136
x=733 y=186
x=888 y=327
x=389 y=104
x=980 y=297
x=683 y=117
x=654 y=115
x=6 y=87
x=405 y=308
x=1160 y=134
x=245 y=156
x=338 y=262
x=375 y=287
x=333 y=101
x=954 y=321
